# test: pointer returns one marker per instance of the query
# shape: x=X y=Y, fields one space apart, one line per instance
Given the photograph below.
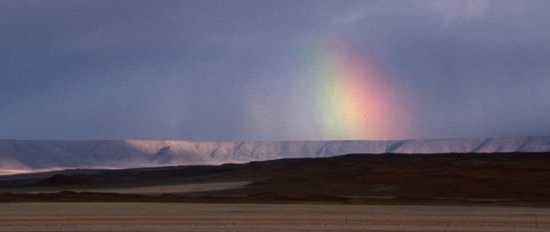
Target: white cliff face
x=27 y=156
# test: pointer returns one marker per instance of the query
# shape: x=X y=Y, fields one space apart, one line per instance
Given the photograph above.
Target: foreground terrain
x=15 y=217
x=519 y=179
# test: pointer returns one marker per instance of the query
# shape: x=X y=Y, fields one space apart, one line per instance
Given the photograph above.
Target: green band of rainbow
x=350 y=97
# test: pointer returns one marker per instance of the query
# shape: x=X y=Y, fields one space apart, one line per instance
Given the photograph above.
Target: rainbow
x=353 y=100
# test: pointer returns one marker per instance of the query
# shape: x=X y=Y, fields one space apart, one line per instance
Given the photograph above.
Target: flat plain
x=194 y=217
x=159 y=189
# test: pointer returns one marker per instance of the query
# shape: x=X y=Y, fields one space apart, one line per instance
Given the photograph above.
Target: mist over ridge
x=39 y=155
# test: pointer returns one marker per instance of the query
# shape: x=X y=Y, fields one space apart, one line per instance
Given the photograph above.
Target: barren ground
x=158 y=189
x=265 y=217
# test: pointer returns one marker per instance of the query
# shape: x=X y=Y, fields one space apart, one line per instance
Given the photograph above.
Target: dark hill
x=512 y=178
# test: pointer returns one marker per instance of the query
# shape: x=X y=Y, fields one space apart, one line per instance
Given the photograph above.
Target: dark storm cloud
x=190 y=69
x=476 y=68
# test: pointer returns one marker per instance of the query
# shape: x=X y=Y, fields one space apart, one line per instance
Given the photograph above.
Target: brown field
x=16 y=217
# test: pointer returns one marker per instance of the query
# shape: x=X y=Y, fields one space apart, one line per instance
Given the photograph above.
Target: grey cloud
x=193 y=69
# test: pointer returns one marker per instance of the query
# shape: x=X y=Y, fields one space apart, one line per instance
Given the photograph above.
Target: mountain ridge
x=32 y=155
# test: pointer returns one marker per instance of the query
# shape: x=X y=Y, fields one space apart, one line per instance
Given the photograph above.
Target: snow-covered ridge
x=29 y=155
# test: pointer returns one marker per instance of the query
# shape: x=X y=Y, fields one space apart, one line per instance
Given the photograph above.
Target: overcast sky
x=233 y=69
